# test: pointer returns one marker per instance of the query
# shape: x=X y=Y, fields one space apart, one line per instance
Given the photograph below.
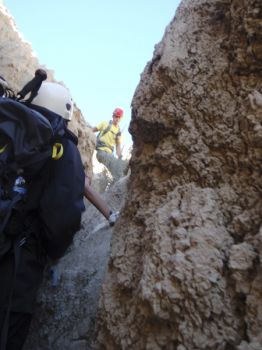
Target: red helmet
x=118 y=112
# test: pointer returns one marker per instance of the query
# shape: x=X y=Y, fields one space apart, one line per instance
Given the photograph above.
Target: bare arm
x=118 y=150
x=96 y=199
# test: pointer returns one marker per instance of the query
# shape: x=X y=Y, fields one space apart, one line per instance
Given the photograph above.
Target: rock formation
x=185 y=267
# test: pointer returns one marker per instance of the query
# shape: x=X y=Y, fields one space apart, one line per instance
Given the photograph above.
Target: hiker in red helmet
x=110 y=137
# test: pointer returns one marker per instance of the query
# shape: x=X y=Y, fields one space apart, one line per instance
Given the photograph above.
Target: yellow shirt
x=109 y=139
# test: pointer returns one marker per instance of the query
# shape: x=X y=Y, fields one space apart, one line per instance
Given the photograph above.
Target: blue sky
x=97 y=48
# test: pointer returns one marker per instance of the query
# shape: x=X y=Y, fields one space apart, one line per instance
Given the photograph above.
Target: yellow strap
x=2 y=149
x=58 y=151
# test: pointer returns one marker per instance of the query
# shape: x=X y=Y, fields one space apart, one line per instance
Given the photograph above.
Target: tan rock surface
x=185 y=266
x=184 y=271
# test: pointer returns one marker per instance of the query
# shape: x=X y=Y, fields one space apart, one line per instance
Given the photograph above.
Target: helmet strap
x=32 y=86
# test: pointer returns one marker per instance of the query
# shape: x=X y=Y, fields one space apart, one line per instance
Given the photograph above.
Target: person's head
x=56 y=98
x=117 y=115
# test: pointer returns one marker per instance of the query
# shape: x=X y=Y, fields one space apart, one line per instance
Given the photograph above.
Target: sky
x=98 y=48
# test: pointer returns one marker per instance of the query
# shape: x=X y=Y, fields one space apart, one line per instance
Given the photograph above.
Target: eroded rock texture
x=185 y=270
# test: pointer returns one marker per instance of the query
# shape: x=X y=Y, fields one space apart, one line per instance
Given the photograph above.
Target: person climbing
x=108 y=139
x=99 y=203
x=41 y=201
x=43 y=99
x=42 y=187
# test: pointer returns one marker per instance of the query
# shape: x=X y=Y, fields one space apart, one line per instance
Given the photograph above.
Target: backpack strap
x=105 y=131
x=5 y=91
x=32 y=86
x=7 y=207
x=100 y=143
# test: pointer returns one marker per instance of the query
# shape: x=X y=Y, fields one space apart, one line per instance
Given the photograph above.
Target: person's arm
x=95 y=199
x=118 y=150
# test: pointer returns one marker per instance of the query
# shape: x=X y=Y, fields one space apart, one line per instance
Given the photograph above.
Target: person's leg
x=104 y=158
x=19 y=324
x=120 y=167
x=111 y=163
x=96 y=200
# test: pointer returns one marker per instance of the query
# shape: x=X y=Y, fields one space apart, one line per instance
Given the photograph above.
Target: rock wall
x=18 y=63
x=185 y=267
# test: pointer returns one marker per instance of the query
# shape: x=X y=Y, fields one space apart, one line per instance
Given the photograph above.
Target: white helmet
x=55 y=97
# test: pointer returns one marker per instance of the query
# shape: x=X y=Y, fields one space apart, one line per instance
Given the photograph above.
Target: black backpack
x=41 y=174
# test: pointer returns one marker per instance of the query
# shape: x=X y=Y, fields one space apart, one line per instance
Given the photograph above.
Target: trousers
x=117 y=167
x=18 y=329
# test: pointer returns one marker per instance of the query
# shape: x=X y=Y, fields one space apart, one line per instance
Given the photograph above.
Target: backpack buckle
x=58 y=151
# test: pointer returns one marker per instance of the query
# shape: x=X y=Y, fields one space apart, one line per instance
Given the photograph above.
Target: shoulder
x=71 y=136
x=102 y=125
